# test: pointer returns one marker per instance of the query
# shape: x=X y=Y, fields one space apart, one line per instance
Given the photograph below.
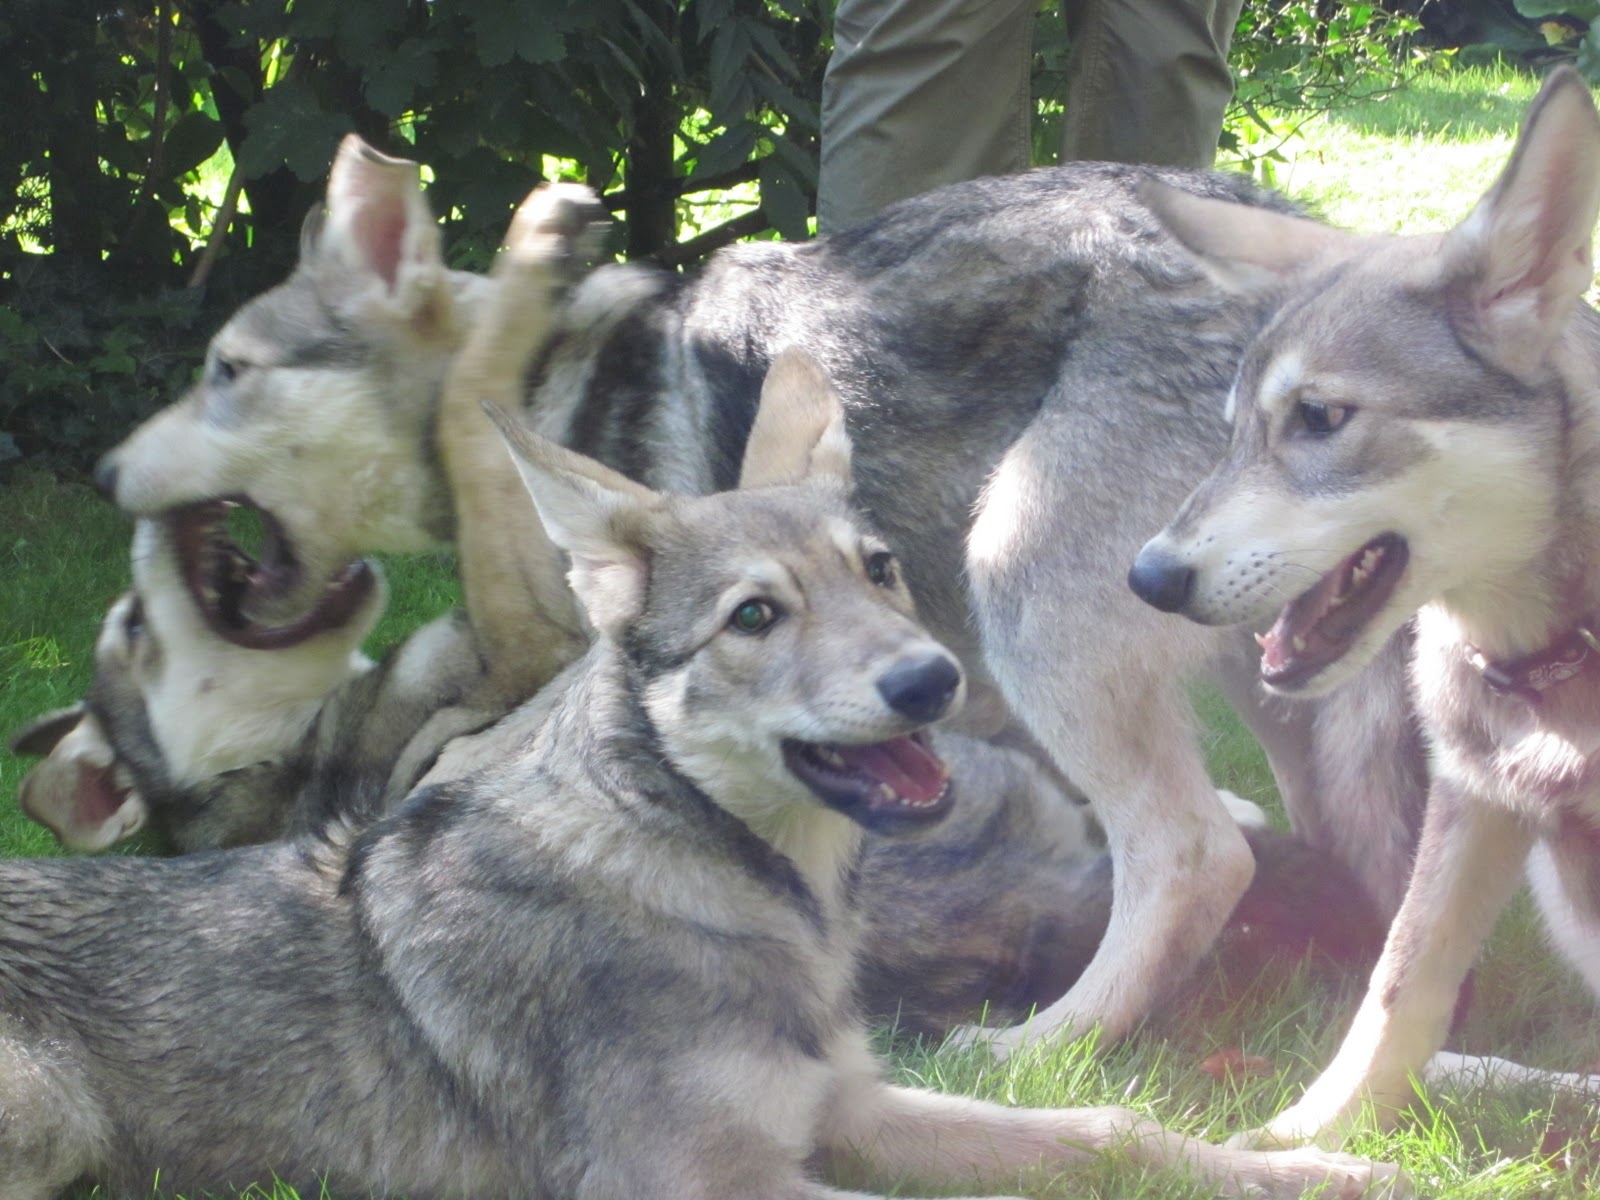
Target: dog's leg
x=51 y=1129
x=1564 y=876
x=896 y=1133
x=524 y=620
x=1099 y=680
x=1349 y=766
x=1468 y=864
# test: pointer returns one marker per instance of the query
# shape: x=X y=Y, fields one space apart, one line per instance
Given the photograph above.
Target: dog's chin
x=1329 y=632
x=893 y=787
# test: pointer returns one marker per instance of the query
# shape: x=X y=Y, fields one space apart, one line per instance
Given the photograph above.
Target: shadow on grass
x=1466 y=106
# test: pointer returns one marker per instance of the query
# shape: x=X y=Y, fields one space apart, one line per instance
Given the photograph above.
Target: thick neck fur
x=1544 y=592
x=602 y=739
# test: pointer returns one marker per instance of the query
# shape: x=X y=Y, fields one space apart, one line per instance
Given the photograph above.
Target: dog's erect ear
x=76 y=792
x=40 y=735
x=596 y=515
x=376 y=233
x=799 y=430
x=1244 y=248
x=1517 y=266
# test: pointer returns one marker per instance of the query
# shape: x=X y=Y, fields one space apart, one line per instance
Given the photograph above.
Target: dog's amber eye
x=880 y=568
x=1324 y=418
x=752 y=616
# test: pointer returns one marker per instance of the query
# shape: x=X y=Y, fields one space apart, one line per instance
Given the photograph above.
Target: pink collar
x=1534 y=674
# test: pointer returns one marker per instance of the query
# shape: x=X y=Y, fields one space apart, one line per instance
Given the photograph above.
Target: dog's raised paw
x=559 y=224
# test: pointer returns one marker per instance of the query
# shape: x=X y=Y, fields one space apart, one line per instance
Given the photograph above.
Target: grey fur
x=1035 y=376
x=575 y=975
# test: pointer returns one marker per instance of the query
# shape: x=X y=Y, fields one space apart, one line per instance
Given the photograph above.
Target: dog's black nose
x=105 y=478
x=921 y=690
x=1161 y=580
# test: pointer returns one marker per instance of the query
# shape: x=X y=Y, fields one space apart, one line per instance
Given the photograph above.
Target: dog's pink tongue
x=907 y=766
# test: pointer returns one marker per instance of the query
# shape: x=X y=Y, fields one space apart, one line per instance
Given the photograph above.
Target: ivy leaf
x=784 y=202
x=392 y=83
x=1589 y=53
x=193 y=138
x=506 y=31
x=288 y=128
x=1584 y=10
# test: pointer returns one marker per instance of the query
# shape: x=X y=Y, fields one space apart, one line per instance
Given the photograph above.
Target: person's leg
x=918 y=94
x=1148 y=80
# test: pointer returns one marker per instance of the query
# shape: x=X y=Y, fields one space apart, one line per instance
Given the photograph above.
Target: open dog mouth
x=1317 y=627
x=234 y=592
x=883 y=785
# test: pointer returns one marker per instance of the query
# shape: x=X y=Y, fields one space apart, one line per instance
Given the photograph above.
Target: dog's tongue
x=909 y=768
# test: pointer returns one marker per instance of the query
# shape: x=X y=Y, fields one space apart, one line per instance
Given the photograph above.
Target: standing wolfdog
x=1419 y=428
x=1034 y=375
x=617 y=966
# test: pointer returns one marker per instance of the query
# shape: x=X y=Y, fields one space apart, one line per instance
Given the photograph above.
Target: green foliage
x=1299 y=59
x=1573 y=27
x=79 y=367
x=131 y=122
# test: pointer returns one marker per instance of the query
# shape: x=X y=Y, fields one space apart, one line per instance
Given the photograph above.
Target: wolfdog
x=1417 y=431
x=617 y=966
x=995 y=911
x=1034 y=375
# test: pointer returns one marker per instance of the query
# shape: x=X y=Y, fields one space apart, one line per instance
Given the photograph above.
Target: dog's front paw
x=1293 y=1173
x=1000 y=1043
x=559 y=225
x=1294 y=1127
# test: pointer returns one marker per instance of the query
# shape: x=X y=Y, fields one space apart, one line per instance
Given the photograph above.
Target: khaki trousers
x=921 y=93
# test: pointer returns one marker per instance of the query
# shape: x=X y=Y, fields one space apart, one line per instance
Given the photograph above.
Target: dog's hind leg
x=51 y=1130
x=1099 y=679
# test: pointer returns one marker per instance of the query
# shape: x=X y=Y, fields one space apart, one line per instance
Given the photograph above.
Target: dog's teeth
x=1299 y=644
x=1261 y=640
x=887 y=793
x=832 y=757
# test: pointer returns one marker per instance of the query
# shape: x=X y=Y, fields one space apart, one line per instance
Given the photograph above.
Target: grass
x=1415 y=161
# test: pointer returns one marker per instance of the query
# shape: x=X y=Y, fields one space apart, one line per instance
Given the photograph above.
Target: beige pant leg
x=1147 y=80
x=918 y=94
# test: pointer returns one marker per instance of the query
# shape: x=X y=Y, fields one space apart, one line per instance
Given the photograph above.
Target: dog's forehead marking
x=846 y=537
x=1283 y=376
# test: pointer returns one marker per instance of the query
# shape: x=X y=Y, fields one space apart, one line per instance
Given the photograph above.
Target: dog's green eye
x=1324 y=418
x=752 y=617
x=880 y=568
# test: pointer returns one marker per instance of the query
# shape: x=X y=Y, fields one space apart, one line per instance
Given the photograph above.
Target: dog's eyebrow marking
x=766 y=576
x=1284 y=374
x=848 y=541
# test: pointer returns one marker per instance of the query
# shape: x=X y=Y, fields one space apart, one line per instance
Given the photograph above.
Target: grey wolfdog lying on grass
x=619 y=965
x=1034 y=376
x=212 y=743
x=1417 y=432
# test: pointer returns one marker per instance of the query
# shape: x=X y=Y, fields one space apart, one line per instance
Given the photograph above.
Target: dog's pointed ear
x=77 y=792
x=40 y=735
x=799 y=431
x=376 y=238
x=1517 y=267
x=1243 y=247
x=599 y=517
